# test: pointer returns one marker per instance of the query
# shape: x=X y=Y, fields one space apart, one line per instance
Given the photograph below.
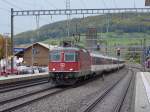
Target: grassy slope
x=129 y=23
x=113 y=39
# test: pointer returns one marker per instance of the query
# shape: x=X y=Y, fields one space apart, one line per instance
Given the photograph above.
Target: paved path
x=14 y=78
x=142 y=98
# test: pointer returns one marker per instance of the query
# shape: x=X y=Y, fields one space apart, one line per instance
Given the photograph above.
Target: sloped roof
x=23 y=46
x=43 y=44
x=47 y=46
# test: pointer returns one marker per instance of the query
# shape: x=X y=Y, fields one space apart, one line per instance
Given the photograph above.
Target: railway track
x=21 y=85
x=89 y=107
x=26 y=99
x=122 y=99
x=23 y=100
x=15 y=103
x=2 y=102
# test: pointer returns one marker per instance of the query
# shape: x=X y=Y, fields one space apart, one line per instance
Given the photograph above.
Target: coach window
x=55 y=56
x=69 y=57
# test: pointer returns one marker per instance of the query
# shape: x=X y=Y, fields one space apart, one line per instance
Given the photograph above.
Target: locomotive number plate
x=62 y=65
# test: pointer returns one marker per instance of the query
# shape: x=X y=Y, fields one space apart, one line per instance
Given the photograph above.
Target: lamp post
x=32 y=52
x=144 y=49
x=6 y=35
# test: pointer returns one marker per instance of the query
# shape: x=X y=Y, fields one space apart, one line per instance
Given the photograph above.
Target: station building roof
x=26 y=47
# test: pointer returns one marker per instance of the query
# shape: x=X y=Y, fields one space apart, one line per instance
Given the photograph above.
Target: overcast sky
x=29 y=23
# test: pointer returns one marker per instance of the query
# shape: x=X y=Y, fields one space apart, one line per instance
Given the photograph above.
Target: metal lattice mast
x=107 y=22
x=37 y=24
x=68 y=17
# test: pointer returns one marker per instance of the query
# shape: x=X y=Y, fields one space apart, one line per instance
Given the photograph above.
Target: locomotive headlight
x=53 y=69
x=71 y=69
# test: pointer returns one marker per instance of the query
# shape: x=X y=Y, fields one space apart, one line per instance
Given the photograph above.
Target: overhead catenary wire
x=68 y=17
x=84 y=4
x=42 y=4
x=5 y=24
x=4 y=9
x=37 y=24
x=11 y=4
x=105 y=6
x=52 y=5
x=26 y=3
x=8 y=26
x=107 y=17
x=134 y=4
x=115 y=4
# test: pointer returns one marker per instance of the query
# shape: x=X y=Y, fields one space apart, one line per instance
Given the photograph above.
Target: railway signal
x=118 y=55
x=98 y=47
x=118 y=52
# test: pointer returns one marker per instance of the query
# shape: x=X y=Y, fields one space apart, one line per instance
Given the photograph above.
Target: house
x=36 y=54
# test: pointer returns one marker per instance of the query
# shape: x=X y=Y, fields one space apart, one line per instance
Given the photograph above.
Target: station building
x=36 y=54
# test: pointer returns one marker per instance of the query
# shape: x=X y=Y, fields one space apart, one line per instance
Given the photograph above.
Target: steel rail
x=48 y=94
x=92 y=104
x=22 y=85
x=25 y=95
x=29 y=101
x=41 y=97
x=17 y=83
x=122 y=99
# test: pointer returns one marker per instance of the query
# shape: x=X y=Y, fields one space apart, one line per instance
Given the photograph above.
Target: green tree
x=1 y=46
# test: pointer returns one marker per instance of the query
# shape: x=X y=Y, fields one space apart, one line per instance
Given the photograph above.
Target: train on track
x=67 y=65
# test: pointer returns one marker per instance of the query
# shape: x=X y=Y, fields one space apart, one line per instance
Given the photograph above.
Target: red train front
x=67 y=64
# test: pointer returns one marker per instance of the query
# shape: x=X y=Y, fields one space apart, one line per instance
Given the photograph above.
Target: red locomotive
x=68 y=64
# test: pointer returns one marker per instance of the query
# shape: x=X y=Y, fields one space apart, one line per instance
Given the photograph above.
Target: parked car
x=22 y=69
x=43 y=69
x=35 y=70
x=8 y=71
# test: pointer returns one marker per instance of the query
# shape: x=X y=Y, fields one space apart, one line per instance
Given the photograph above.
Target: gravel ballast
x=73 y=99
x=19 y=92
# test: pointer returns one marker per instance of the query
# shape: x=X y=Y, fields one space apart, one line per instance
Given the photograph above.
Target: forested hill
x=127 y=23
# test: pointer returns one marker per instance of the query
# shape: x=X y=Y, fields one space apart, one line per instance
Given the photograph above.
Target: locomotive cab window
x=70 y=57
x=55 y=56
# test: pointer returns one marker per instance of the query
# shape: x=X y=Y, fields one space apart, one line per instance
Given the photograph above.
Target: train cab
x=68 y=64
x=64 y=60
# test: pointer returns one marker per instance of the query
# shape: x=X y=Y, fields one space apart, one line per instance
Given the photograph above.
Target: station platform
x=142 y=92
x=16 y=78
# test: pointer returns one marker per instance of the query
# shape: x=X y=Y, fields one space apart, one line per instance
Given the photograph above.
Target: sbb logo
x=62 y=65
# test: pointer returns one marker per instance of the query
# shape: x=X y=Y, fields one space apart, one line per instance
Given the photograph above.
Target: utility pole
x=106 y=47
x=12 y=41
x=141 y=51
x=144 y=49
x=68 y=17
